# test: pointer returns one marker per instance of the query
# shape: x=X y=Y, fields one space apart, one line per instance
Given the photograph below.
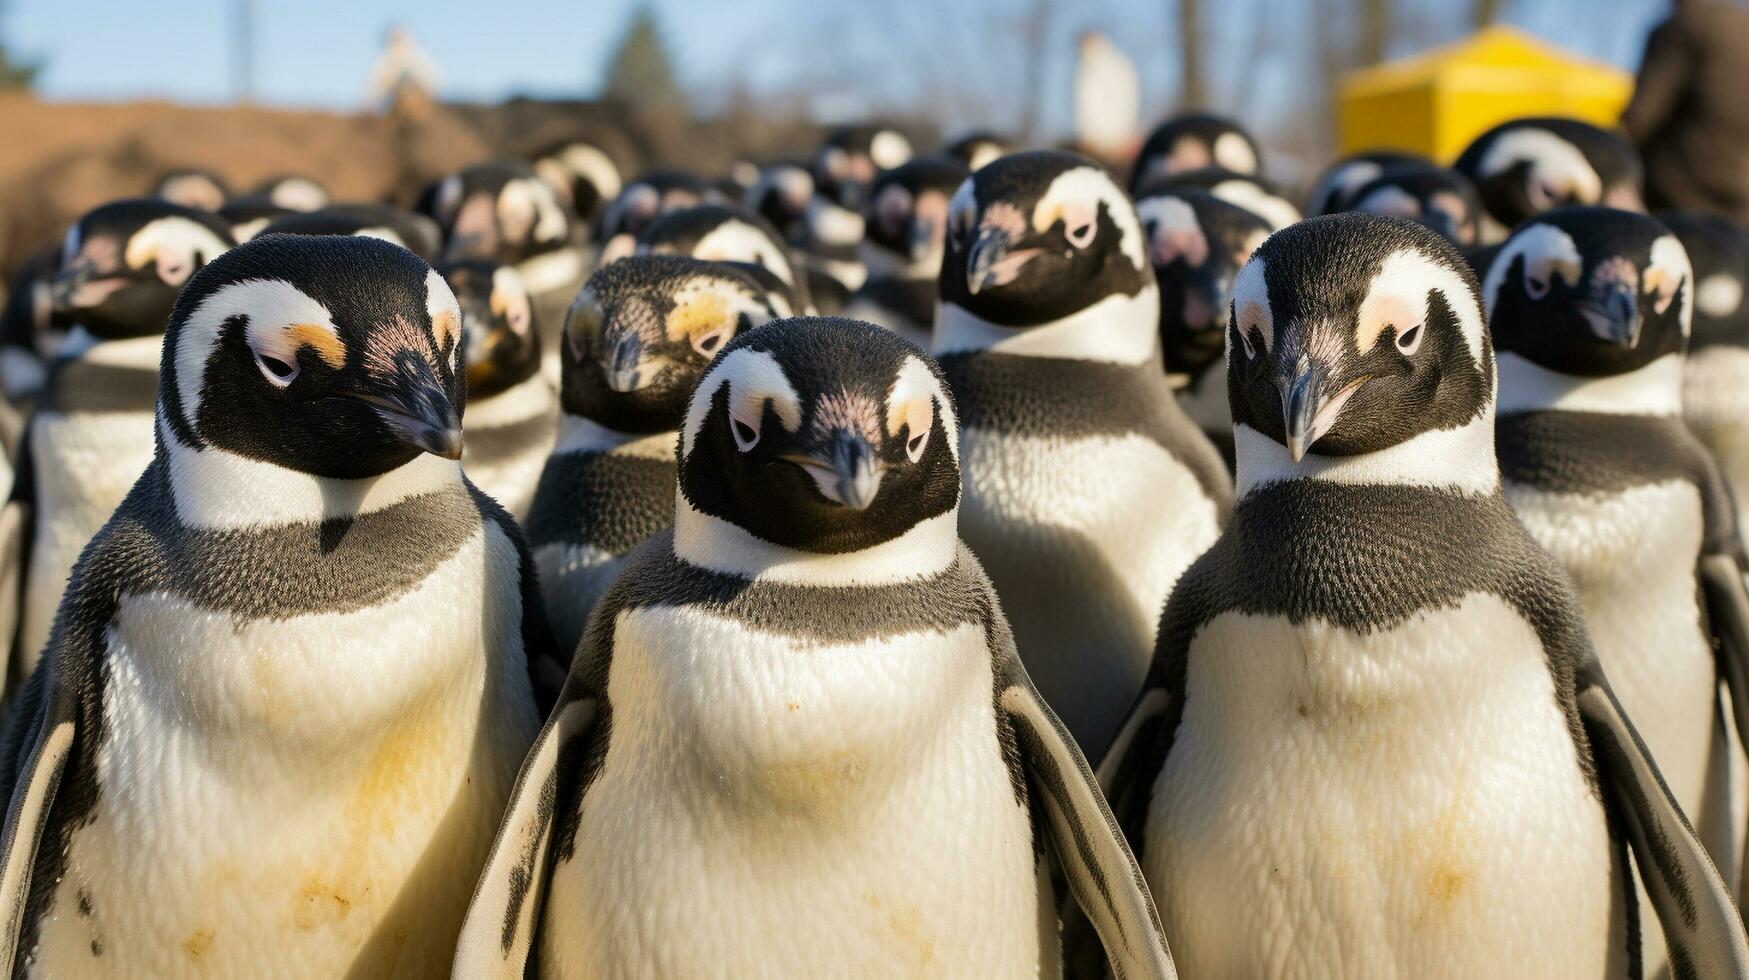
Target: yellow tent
x=1437 y=101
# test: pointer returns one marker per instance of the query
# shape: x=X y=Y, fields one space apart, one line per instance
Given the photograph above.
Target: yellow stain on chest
x=198 y=943
x=905 y=922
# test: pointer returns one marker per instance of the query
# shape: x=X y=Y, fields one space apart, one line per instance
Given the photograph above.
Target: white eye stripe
x=754 y=379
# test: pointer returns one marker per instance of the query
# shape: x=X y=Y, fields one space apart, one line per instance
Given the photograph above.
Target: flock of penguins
x=1381 y=568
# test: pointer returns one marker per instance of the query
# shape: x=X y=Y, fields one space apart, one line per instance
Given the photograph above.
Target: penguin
x=1590 y=310
x=1442 y=199
x=414 y=232
x=1715 y=378
x=639 y=203
x=583 y=171
x=636 y=340
x=290 y=685
x=1376 y=739
x=1524 y=167
x=797 y=740
x=978 y=147
x=31 y=333
x=294 y=192
x=906 y=221
x=781 y=196
x=192 y=187
x=1254 y=194
x=1196 y=243
x=1334 y=189
x=727 y=233
x=850 y=157
x=122 y=266
x=250 y=216
x=1195 y=141
x=1088 y=490
x=513 y=409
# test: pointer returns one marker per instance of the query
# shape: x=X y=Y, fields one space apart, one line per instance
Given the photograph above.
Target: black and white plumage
x=905 y=222
x=978 y=147
x=289 y=686
x=1088 y=490
x=1527 y=166
x=1197 y=243
x=1375 y=738
x=639 y=335
x=797 y=740
x=1715 y=378
x=1195 y=141
x=513 y=408
x=251 y=213
x=849 y=158
x=122 y=266
x=1442 y=199
x=587 y=171
x=294 y=192
x=414 y=232
x=1334 y=189
x=192 y=187
x=1590 y=311
x=640 y=202
x=1249 y=191
x=727 y=233
x=31 y=332
x=781 y=196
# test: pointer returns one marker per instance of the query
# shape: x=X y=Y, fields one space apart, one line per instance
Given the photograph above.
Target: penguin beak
x=623 y=362
x=414 y=407
x=1612 y=314
x=81 y=285
x=1310 y=405
x=846 y=471
x=991 y=262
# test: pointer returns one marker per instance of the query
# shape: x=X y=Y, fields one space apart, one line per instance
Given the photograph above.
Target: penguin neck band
x=1118 y=329
x=926 y=549
x=1655 y=389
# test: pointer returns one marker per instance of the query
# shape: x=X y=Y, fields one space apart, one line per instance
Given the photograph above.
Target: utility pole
x=243 y=51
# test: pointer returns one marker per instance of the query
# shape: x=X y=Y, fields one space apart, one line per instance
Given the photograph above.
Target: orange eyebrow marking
x=327 y=346
x=446 y=327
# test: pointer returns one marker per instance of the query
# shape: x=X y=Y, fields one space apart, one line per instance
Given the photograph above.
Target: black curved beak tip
x=1613 y=316
x=429 y=424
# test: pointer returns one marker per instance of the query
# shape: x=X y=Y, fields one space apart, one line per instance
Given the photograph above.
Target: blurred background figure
x=1689 y=116
x=1108 y=99
x=404 y=77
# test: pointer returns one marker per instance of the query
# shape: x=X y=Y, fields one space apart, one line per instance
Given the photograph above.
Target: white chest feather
x=320 y=789
x=1632 y=555
x=85 y=465
x=1399 y=803
x=1715 y=404
x=779 y=807
x=501 y=457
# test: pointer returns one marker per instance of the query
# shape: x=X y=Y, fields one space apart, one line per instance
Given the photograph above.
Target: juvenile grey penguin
x=1197 y=243
x=797 y=740
x=1376 y=740
x=905 y=223
x=1524 y=167
x=1715 y=378
x=122 y=266
x=513 y=409
x=289 y=686
x=639 y=336
x=1088 y=490
x=1590 y=311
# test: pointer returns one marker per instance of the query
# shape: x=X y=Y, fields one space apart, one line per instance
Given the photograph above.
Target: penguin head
x=821 y=434
x=849 y=158
x=1039 y=235
x=905 y=219
x=337 y=356
x=1194 y=141
x=414 y=232
x=1196 y=242
x=500 y=345
x=781 y=196
x=643 y=329
x=123 y=263
x=582 y=172
x=1590 y=292
x=641 y=202
x=1334 y=189
x=719 y=233
x=192 y=187
x=29 y=321
x=1527 y=166
x=249 y=216
x=502 y=212
x=1248 y=191
x=1719 y=252
x=293 y=192
x=1443 y=200
x=979 y=147
x=1353 y=333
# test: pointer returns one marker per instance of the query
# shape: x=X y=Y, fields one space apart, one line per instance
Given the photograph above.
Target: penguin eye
x=278 y=373
x=1409 y=341
x=1245 y=343
x=1082 y=236
x=915 y=445
x=746 y=436
x=1537 y=288
x=708 y=344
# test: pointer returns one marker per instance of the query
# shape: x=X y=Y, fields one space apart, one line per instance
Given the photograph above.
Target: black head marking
x=123 y=263
x=1036 y=236
x=1591 y=291
x=645 y=199
x=501 y=212
x=414 y=232
x=1334 y=189
x=586 y=169
x=1352 y=333
x=192 y=187
x=643 y=329
x=1527 y=166
x=1719 y=253
x=1196 y=243
x=720 y=233
x=293 y=192
x=1443 y=200
x=1194 y=141
x=906 y=213
x=500 y=338
x=849 y=158
x=781 y=196
x=337 y=356
x=823 y=435
x=979 y=147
